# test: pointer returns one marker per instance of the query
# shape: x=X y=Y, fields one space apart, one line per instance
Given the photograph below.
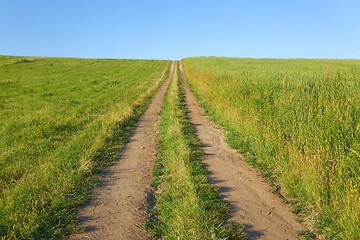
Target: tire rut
x=252 y=202
x=119 y=207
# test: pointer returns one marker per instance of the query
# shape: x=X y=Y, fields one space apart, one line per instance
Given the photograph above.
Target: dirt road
x=253 y=204
x=119 y=207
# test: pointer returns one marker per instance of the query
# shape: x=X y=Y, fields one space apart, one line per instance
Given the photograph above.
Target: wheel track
x=253 y=203
x=118 y=207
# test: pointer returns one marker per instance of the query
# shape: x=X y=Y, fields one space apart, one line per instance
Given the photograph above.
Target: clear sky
x=155 y=29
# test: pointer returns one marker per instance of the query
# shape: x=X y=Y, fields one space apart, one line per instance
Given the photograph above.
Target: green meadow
x=60 y=121
x=297 y=120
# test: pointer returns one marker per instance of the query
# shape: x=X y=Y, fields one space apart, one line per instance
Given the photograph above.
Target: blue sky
x=154 y=29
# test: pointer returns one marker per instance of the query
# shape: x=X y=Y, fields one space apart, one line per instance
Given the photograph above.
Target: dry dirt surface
x=253 y=203
x=118 y=208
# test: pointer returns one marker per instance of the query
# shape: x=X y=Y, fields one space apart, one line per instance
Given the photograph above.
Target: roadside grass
x=187 y=206
x=61 y=120
x=299 y=121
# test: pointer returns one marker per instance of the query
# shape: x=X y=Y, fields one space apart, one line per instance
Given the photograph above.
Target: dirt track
x=119 y=206
x=253 y=204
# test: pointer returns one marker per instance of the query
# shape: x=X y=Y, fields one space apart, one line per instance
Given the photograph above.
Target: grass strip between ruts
x=187 y=206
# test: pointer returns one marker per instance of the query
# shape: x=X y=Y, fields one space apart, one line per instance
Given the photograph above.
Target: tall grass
x=299 y=120
x=59 y=120
x=187 y=206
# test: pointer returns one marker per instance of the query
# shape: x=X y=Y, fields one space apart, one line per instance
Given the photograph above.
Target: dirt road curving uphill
x=253 y=204
x=119 y=206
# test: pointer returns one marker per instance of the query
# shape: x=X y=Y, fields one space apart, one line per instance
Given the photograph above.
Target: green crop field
x=298 y=120
x=58 y=120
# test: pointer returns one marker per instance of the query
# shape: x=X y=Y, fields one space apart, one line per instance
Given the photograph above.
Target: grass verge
x=187 y=206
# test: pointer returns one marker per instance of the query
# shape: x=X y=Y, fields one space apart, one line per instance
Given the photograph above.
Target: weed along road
x=253 y=204
x=118 y=208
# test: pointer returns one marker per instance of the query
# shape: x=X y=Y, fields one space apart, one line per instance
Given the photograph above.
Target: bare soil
x=253 y=203
x=119 y=207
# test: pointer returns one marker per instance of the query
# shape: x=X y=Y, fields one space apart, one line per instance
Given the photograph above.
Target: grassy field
x=60 y=120
x=299 y=121
x=187 y=206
